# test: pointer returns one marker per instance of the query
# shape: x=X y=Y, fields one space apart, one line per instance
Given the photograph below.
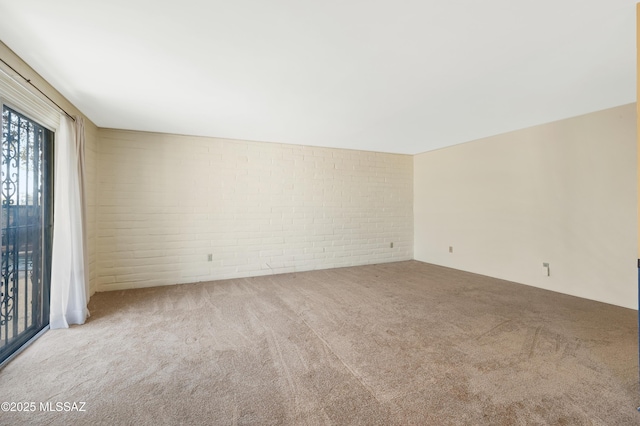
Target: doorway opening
x=26 y=224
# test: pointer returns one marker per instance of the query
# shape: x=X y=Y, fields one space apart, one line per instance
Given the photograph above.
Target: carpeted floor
x=400 y=343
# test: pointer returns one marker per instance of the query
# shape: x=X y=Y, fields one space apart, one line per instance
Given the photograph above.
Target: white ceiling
x=381 y=75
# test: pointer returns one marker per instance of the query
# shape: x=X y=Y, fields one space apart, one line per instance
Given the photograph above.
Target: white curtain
x=69 y=270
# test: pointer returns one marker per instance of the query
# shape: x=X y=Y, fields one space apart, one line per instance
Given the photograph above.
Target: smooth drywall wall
x=91 y=149
x=167 y=202
x=563 y=193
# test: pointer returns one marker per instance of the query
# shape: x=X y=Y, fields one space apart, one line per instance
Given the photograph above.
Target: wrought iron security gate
x=25 y=222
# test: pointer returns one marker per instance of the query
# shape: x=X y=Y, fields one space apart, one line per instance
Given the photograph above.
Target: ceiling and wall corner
x=381 y=76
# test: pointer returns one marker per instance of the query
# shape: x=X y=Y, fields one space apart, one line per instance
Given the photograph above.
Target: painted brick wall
x=91 y=176
x=165 y=202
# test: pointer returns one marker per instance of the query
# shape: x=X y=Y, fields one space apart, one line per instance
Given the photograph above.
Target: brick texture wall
x=91 y=176
x=167 y=202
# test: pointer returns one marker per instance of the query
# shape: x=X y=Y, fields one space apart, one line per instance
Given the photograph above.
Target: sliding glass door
x=26 y=177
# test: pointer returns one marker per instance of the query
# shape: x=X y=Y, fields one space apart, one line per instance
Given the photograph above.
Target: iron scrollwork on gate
x=21 y=183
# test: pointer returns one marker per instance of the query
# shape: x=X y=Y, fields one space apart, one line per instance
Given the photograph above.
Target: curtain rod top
x=38 y=89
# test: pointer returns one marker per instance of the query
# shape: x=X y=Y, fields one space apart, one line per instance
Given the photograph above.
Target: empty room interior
x=319 y=213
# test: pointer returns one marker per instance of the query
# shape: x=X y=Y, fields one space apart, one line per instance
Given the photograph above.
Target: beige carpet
x=401 y=343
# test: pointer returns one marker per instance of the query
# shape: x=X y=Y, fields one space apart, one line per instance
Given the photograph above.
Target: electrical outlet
x=546 y=271
x=210 y=258
x=450 y=249
x=391 y=245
